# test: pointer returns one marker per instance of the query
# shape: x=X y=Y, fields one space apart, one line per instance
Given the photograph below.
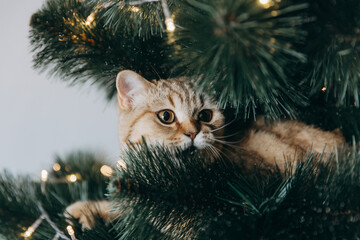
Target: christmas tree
x=296 y=59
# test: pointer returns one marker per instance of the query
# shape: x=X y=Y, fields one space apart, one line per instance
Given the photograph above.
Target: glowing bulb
x=134 y=9
x=56 y=167
x=170 y=26
x=71 y=232
x=90 y=19
x=106 y=170
x=264 y=1
x=44 y=175
x=323 y=89
x=29 y=232
x=72 y=178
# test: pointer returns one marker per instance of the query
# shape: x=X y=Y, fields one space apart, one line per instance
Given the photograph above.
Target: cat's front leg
x=87 y=211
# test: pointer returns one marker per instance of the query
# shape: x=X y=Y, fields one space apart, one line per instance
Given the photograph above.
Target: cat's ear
x=129 y=84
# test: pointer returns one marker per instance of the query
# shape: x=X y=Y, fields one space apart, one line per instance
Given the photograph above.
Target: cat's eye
x=205 y=115
x=166 y=116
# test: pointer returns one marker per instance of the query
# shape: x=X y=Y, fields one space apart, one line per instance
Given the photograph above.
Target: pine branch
x=330 y=117
x=172 y=195
x=65 y=42
x=137 y=18
x=251 y=55
x=244 y=52
x=20 y=198
x=333 y=46
x=12 y=221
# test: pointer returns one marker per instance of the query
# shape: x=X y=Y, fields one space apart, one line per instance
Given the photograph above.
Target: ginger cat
x=171 y=112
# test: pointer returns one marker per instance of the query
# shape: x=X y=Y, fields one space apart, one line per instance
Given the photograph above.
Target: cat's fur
x=141 y=101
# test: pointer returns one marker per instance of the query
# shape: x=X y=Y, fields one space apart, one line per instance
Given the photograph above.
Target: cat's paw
x=87 y=211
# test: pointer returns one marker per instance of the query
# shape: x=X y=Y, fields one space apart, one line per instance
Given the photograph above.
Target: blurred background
x=42 y=116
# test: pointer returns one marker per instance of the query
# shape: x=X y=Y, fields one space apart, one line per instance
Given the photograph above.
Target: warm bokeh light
x=56 y=167
x=44 y=175
x=170 y=25
x=264 y=1
x=135 y=9
x=323 y=89
x=90 y=19
x=72 y=178
x=106 y=170
x=29 y=232
x=71 y=232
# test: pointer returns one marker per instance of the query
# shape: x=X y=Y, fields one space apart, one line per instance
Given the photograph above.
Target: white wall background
x=39 y=116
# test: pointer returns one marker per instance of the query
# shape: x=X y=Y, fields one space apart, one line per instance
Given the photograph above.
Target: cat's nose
x=191 y=135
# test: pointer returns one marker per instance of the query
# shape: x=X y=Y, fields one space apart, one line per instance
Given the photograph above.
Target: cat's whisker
x=218 y=155
x=209 y=150
x=231 y=135
x=225 y=142
x=214 y=151
x=222 y=154
x=223 y=126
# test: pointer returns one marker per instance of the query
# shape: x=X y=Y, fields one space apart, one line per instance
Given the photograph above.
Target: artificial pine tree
x=280 y=58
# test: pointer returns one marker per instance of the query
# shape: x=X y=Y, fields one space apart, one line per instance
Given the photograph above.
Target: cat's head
x=168 y=111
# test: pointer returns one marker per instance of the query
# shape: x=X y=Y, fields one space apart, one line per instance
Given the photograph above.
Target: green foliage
x=256 y=59
x=167 y=189
x=253 y=57
x=137 y=20
x=90 y=53
x=331 y=117
x=243 y=51
x=333 y=47
x=165 y=194
x=21 y=195
x=92 y=182
x=13 y=199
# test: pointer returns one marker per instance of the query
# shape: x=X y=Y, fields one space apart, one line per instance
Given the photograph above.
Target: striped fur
x=260 y=145
x=177 y=95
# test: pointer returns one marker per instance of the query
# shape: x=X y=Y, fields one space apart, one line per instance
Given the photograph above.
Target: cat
x=172 y=113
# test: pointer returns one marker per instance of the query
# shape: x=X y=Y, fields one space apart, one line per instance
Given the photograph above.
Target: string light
x=33 y=227
x=263 y=2
x=169 y=22
x=90 y=18
x=29 y=232
x=44 y=178
x=106 y=170
x=56 y=167
x=44 y=175
x=134 y=9
x=72 y=178
x=57 y=236
x=71 y=232
x=170 y=26
x=45 y=216
x=266 y=3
